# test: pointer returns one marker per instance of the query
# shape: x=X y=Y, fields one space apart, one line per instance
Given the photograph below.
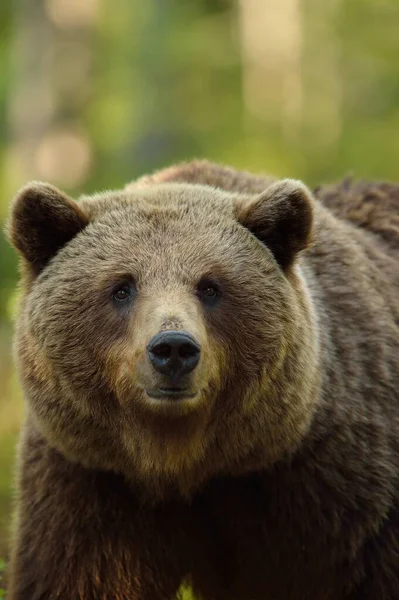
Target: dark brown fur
x=281 y=480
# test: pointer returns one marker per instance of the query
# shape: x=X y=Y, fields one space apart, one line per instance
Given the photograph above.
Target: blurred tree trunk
x=323 y=77
x=271 y=41
x=157 y=105
x=51 y=78
x=31 y=97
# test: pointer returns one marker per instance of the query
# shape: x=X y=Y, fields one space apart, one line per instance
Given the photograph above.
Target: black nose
x=173 y=353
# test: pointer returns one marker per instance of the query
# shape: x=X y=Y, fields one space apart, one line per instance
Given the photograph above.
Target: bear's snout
x=174 y=354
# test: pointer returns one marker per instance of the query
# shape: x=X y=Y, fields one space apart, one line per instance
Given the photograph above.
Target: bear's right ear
x=42 y=220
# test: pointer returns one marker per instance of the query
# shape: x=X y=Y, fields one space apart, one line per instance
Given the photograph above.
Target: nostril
x=162 y=351
x=188 y=351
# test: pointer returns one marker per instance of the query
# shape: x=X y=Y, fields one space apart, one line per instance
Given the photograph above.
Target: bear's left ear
x=281 y=218
x=42 y=220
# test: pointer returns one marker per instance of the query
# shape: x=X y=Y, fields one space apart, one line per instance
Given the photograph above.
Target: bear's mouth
x=170 y=393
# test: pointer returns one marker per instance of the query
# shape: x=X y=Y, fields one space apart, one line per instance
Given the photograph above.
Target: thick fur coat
x=277 y=476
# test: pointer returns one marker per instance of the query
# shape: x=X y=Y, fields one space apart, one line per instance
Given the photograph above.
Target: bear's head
x=165 y=332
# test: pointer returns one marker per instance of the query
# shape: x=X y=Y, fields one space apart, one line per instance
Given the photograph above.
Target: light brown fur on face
x=275 y=475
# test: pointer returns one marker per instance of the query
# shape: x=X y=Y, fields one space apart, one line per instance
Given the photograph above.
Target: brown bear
x=210 y=361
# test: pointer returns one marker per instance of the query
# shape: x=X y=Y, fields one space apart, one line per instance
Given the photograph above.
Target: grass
x=183 y=594
x=2 y=570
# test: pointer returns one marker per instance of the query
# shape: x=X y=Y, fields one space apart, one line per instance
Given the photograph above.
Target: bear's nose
x=173 y=353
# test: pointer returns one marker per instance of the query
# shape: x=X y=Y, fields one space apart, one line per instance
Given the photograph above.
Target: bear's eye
x=122 y=293
x=208 y=292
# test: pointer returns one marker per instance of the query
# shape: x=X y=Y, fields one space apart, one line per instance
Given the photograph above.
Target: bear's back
x=371 y=206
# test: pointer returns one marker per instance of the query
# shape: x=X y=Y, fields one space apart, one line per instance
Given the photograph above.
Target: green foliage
x=2 y=571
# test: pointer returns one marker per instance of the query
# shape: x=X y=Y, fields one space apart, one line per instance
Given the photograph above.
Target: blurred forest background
x=94 y=93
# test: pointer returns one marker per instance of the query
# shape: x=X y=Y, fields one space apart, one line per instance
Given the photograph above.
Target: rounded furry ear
x=281 y=218
x=42 y=220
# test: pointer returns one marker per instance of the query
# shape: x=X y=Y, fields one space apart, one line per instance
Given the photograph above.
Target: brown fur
x=280 y=478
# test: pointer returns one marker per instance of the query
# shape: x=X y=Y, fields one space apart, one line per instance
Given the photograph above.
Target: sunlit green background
x=94 y=93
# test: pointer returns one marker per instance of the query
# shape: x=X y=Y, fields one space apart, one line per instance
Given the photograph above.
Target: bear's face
x=165 y=330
